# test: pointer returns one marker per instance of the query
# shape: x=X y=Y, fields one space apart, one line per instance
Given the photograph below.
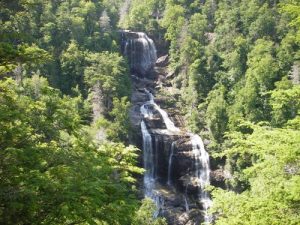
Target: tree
x=145 y=214
x=51 y=170
x=293 y=9
x=72 y=62
x=173 y=21
x=117 y=127
x=110 y=73
x=285 y=102
x=216 y=114
x=251 y=101
x=272 y=170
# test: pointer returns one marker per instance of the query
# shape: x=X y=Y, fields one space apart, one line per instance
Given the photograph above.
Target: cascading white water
x=148 y=152
x=202 y=169
x=141 y=53
x=148 y=160
x=156 y=155
x=140 y=50
x=168 y=122
x=170 y=164
x=149 y=56
x=201 y=157
x=187 y=208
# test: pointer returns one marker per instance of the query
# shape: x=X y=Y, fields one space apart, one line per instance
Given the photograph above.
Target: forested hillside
x=236 y=66
x=53 y=55
x=65 y=88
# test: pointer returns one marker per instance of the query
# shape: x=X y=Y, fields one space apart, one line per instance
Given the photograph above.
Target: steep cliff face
x=176 y=163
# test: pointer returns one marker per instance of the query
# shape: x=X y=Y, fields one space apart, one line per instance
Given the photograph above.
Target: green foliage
x=143 y=16
x=72 y=62
x=109 y=71
x=119 y=127
x=273 y=176
x=216 y=114
x=51 y=172
x=145 y=214
x=262 y=65
x=66 y=30
x=285 y=102
x=173 y=21
x=293 y=9
x=12 y=56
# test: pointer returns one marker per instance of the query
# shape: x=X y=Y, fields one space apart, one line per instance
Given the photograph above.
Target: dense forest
x=235 y=71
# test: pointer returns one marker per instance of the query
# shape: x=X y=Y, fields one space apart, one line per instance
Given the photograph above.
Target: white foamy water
x=169 y=182
x=166 y=119
x=202 y=170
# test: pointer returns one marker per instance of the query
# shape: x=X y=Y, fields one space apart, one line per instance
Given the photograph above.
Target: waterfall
x=151 y=157
x=148 y=152
x=148 y=160
x=168 y=122
x=141 y=53
x=140 y=50
x=187 y=208
x=202 y=170
x=149 y=166
x=149 y=56
x=156 y=155
x=170 y=164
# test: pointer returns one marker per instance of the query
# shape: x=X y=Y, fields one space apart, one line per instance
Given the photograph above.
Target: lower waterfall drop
x=150 y=159
x=202 y=169
x=149 y=176
x=169 y=182
x=156 y=140
x=187 y=208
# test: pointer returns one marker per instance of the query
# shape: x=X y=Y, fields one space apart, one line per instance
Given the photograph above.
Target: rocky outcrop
x=162 y=61
x=218 y=178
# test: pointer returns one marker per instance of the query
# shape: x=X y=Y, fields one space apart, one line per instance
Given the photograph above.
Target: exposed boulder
x=170 y=75
x=220 y=176
x=162 y=61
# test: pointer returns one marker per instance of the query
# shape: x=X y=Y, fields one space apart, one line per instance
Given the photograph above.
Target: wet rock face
x=182 y=187
x=140 y=51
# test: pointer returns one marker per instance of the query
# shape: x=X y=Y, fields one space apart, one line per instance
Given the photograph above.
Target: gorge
x=150 y=112
x=177 y=168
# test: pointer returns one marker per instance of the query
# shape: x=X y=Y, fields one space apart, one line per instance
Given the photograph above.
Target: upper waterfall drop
x=140 y=51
